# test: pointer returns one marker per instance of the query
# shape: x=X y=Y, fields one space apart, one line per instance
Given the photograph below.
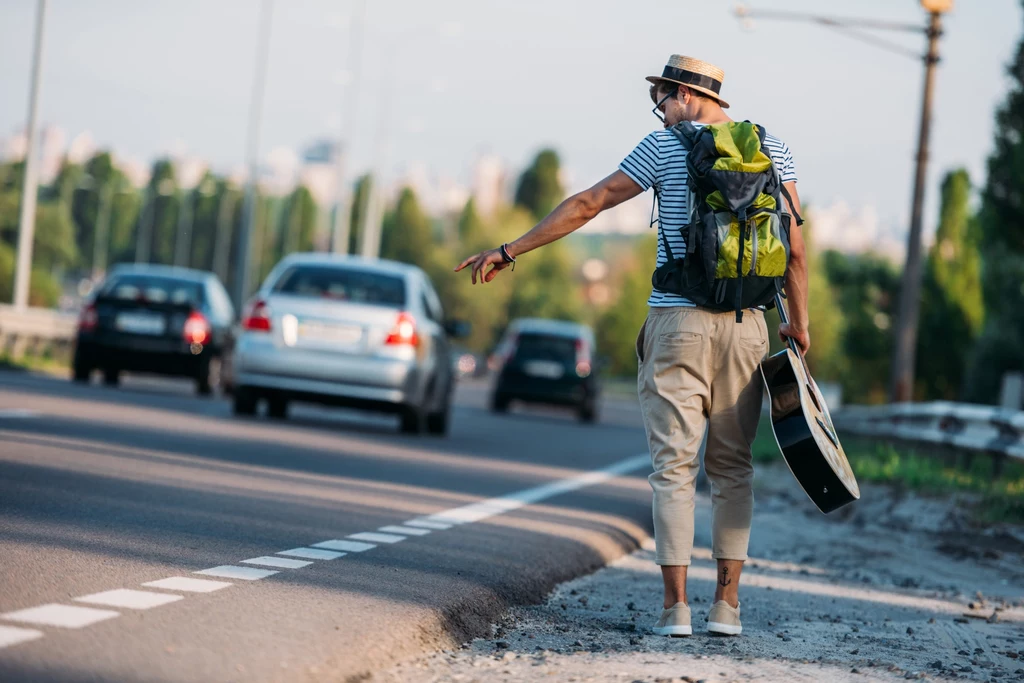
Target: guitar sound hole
x=814 y=398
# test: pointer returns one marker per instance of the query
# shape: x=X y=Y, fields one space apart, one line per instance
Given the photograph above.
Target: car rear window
x=343 y=284
x=546 y=347
x=155 y=289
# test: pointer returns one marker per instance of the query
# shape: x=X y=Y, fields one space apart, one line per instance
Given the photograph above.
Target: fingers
x=465 y=263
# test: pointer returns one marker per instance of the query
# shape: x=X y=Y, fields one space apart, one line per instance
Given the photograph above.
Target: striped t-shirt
x=659 y=161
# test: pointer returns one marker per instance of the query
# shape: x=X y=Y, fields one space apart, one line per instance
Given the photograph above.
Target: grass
x=40 y=363
x=998 y=498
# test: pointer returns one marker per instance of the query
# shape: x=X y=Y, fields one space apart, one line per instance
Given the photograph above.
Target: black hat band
x=690 y=78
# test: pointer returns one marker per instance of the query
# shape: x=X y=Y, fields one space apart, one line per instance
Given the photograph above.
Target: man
x=698 y=368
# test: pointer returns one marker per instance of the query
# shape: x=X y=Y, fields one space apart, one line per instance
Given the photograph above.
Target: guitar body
x=803 y=429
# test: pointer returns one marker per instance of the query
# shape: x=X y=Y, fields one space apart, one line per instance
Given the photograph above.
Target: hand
x=802 y=337
x=480 y=262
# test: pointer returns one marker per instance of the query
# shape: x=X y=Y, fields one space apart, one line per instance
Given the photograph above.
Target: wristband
x=507 y=257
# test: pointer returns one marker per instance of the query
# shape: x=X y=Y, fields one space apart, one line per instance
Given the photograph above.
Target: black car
x=155 y=319
x=549 y=362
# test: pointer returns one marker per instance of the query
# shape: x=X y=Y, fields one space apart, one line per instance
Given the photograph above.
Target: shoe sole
x=724 y=629
x=674 y=631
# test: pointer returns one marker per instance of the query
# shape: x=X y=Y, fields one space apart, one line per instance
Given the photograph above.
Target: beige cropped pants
x=699 y=370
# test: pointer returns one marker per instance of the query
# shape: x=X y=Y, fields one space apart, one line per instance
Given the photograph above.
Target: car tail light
x=582 y=358
x=89 y=319
x=197 y=329
x=404 y=331
x=257 y=316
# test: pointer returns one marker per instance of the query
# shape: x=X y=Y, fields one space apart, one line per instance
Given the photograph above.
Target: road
x=114 y=502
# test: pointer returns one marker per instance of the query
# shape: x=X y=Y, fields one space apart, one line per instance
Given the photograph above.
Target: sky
x=441 y=83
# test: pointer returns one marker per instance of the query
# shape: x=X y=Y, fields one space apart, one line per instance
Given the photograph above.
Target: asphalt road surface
x=149 y=535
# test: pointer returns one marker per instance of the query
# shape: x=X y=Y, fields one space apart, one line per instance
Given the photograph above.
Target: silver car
x=349 y=332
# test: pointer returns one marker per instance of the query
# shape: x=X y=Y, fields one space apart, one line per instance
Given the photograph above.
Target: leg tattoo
x=724 y=579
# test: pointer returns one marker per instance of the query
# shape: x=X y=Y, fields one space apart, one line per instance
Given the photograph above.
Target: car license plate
x=141 y=323
x=343 y=335
x=544 y=368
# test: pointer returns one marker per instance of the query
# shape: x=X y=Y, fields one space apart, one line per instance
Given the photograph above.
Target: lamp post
x=905 y=330
x=29 y=186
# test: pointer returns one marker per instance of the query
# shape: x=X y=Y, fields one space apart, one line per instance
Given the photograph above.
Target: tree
x=1000 y=349
x=299 y=227
x=471 y=230
x=952 y=310
x=406 y=234
x=161 y=220
x=618 y=326
x=539 y=189
x=360 y=203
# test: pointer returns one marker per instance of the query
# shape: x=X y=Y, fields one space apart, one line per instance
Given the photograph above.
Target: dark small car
x=155 y=319
x=548 y=362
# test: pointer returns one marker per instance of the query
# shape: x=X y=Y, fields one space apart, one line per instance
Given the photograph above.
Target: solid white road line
x=12 y=635
x=376 y=538
x=345 y=546
x=407 y=530
x=132 y=599
x=281 y=562
x=425 y=524
x=230 y=571
x=64 y=616
x=17 y=413
x=188 y=584
x=311 y=553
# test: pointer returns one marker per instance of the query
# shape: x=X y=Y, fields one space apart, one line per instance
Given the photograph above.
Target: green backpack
x=737 y=240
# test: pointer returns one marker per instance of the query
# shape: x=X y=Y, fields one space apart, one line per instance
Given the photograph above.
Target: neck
x=710 y=112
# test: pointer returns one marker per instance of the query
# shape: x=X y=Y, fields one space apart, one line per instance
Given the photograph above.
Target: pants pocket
x=640 y=342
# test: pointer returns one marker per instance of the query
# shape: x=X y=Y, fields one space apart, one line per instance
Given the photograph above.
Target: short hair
x=673 y=87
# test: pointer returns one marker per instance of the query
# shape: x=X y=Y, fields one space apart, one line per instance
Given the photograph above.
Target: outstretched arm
x=796 y=281
x=570 y=215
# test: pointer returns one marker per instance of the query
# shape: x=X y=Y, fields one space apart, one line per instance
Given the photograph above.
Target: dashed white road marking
x=132 y=599
x=230 y=571
x=377 y=538
x=188 y=584
x=12 y=635
x=281 y=562
x=65 y=616
x=311 y=553
x=17 y=413
x=407 y=530
x=345 y=546
x=427 y=524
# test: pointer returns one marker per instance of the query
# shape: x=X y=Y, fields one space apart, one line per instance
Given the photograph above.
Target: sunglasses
x=657 y=107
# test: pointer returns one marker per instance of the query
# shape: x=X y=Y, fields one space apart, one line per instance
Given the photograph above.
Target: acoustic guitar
x=803 y=428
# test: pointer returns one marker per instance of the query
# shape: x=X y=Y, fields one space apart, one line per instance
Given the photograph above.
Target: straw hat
x=693 y=73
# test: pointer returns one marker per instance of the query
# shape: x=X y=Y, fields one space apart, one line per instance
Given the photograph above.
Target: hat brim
x=707 y=91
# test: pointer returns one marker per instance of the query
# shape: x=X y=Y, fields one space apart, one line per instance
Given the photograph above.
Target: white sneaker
x=724 y=619
x=675 y=621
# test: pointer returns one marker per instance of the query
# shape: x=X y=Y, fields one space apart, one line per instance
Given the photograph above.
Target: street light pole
x=341 y=226
x=29 y=186
x=905 y=346
x=242 y=274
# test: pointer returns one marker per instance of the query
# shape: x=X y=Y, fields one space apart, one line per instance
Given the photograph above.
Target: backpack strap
x=686 y=132
x=792 y=206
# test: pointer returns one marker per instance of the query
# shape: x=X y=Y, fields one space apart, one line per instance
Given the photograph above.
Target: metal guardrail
x=31 y=328
x=998 y=432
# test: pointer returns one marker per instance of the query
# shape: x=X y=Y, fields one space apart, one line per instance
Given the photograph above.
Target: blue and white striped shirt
x=659 y=161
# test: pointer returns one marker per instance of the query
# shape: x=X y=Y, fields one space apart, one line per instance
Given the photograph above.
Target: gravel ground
x=894 y=587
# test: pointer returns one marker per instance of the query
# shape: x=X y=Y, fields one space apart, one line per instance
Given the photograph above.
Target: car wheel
x=277 y=407
x=437 y=423
x=111 y=376
x=412 y=420
x=244 y=401
x=81 y=373
x=208 y=381
x=588 y=412
x=499 y=403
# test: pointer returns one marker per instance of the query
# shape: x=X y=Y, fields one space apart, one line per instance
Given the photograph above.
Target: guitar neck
x=784 y=317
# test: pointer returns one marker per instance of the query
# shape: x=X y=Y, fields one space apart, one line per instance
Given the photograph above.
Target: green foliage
x=1000 y=348
x=866 y=286
x=619 y=325
x=406 y=234
x=360 y=204
x=951 y=303
x=163 y=213
x=471 y=229
x=826 y=359
x=539 y=189
x=299 y=229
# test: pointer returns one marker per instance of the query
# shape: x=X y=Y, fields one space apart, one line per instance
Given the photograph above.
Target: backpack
x=737 y=240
